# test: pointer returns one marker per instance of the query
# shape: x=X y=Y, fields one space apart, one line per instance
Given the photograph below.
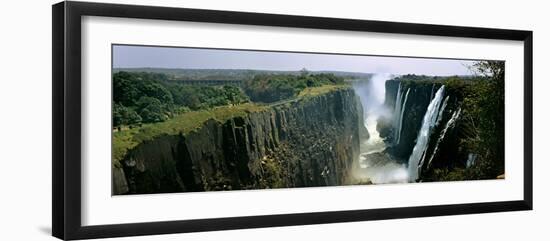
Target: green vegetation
x=151 y=97
x=309 y=92
x=205 y=97
x=481 y=99
x=482 y=124
x=481 y=129
x=450 y=82
x=484 y=111
x=127 y=139
x=272 y=88
x=184 y=123
x=273 y=174
x=230 y=74
x=151 y=105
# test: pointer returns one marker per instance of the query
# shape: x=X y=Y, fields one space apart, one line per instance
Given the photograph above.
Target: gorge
x=260 y=149
x=382 y=129
x=414 y=118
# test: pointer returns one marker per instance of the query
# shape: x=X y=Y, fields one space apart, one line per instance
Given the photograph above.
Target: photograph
x=187 y=119
x=275 y=120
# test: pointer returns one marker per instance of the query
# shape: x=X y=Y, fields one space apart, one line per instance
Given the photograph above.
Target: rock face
x=308 y=142
x=419 y=98
x=446 y=153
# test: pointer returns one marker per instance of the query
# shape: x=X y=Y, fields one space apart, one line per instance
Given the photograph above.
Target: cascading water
x=471 y=160
x=397 y=111
x=372 y=95
x=403 y=107
x=375 y=165
x=450 y=124
x=378 y=165
x=443 y=106
x=428 y=123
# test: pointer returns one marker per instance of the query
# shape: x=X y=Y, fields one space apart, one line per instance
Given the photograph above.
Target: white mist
x=377 y=168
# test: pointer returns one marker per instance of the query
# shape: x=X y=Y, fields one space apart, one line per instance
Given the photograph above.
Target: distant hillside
x=230 y=74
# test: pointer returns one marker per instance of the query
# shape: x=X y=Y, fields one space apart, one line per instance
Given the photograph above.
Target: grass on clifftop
x=125 y=140
x=314 y=91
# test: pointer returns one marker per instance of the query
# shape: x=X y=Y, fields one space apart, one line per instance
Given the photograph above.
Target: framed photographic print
x=170 y=120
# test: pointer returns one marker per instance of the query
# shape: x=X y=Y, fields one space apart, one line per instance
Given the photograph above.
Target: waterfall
x=471 y=159
x=372 y=94
x=449 y=124
x=374 y=165
x=440 y=115
x=396 y=112
x=401 y=116
x=428 y=123
x=432 y=93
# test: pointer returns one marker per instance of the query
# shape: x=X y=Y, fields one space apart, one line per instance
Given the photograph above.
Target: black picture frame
x=66 y=128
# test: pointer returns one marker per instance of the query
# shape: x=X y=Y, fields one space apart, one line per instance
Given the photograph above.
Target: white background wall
x=25 y=119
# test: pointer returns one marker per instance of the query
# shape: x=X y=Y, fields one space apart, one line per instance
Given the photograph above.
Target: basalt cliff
x=262 y=149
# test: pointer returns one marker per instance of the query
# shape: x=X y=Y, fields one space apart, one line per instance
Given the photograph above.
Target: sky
x=126 y=56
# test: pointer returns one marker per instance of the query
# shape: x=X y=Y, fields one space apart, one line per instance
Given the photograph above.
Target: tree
x=118 y=115
x=486 y=111
x=125 y=91
x=234 y=95
x=150 y=109
x=124 y=116
x=133 y=117
x=489 y=68
x=155 y=90
x=185 y=95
